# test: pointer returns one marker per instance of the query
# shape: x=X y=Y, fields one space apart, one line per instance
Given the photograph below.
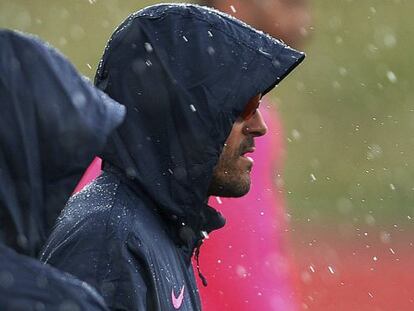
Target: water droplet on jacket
x=148 y=47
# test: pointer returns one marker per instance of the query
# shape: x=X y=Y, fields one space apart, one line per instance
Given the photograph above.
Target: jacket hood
x=185 y=73
x=53 y=122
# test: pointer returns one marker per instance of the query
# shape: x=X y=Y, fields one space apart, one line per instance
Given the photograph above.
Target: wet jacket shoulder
x=122 y=248
x=185 y=73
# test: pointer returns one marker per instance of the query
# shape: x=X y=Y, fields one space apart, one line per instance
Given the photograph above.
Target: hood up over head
x=185 y=73
x=53 y=122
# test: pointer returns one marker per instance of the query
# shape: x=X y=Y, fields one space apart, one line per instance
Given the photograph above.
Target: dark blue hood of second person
x=185 y=73
x=53 y=122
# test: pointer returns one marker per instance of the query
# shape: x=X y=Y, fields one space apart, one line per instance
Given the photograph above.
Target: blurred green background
x=349 y=116
x=348 y=111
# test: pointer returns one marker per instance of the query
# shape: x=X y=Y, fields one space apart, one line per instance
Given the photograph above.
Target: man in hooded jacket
x=262 y=257
x=52 y=123
x=191 y=79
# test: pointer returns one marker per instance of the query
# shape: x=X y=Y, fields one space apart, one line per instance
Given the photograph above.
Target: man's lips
x=245 y=152
x=248 y=150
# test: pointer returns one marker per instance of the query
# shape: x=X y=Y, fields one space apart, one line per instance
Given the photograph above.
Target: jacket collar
x=186 y=233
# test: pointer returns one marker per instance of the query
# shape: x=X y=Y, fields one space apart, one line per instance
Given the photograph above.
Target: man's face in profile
x=231 y=176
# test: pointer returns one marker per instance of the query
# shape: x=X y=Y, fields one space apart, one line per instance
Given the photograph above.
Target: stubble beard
x=228 y=179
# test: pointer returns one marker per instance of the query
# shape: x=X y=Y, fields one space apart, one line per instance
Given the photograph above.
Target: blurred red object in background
x=371 y=270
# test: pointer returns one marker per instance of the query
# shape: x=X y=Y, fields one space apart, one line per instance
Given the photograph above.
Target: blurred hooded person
x=52 y=123
x=259 y=262
x=191 y=79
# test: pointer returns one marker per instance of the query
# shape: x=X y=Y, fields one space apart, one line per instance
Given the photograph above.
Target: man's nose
x=256 y=125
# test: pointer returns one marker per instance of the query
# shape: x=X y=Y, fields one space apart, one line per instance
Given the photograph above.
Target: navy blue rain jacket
x=52 y=122
x=185 y=73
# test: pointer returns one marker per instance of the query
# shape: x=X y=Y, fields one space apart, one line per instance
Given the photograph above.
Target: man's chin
x=235 y=189
x=238 y=194
x=246 y=163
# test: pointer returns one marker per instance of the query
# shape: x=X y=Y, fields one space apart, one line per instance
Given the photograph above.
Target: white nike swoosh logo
x=177 y=301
